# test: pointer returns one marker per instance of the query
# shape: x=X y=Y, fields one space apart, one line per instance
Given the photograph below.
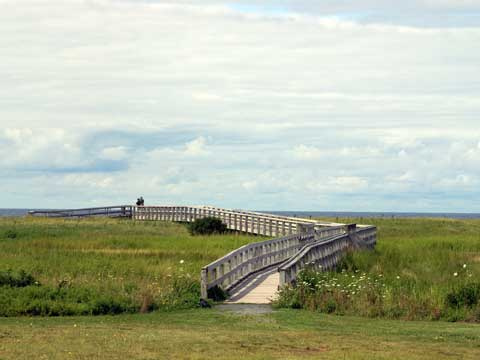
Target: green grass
x=209 y=334
x=89 y=266
x=92 y=266
x=419 y=269
x=96 y=266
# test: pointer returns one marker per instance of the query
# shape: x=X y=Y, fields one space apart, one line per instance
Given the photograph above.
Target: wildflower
x=464 y=266
x=398 y=277
x=455 y=274
x=182 y=261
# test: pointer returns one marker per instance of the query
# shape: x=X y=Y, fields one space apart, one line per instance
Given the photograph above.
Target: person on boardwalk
x=140 y=201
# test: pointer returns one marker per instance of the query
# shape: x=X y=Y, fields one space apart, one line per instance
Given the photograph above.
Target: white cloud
x=114 y=153
x=307 y=152
x=299 y=105
x=197 y=147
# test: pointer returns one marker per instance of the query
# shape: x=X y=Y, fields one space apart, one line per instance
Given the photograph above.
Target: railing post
x=204 y=284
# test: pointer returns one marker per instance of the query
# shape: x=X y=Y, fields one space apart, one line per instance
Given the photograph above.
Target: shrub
x=22 y=279
x=217 y=294
x=182 y=293
x=207 y=226
x=10 y=234
x=467 y=295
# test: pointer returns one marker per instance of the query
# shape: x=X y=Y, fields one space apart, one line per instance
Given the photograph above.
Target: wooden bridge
x=254 y=272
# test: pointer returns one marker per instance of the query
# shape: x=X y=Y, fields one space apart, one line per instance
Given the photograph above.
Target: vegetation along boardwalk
x=253 y=272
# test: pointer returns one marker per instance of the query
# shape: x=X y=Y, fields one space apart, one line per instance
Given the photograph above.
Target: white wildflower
x=464 y=266
x=182 y=261
x=455 y=274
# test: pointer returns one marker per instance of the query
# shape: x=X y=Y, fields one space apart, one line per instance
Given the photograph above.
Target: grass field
x=95 y=266
x=209 y=334
x=420 y=269
x=102 y=266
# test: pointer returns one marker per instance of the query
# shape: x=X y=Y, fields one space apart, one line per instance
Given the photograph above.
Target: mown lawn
x=210 y=334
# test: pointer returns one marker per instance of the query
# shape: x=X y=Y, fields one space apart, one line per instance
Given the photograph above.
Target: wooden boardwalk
x=259 y=288
x=253 y=272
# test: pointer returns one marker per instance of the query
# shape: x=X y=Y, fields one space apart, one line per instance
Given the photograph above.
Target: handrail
x=232 y=268
x=92 y=208
x=124 y=210
x=249 y=222
x=325 y=254
x=297 y=241
x=263 y=215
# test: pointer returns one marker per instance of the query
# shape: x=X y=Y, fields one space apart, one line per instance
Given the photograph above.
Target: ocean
x=354 y=214
x=330 y=214
x=14 y=212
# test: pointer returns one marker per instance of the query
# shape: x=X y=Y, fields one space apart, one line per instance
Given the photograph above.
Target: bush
x=207 y=226
x=22 y=279
x=182 y=293
x=10 y=234
x=467 y=295
x=217 y=294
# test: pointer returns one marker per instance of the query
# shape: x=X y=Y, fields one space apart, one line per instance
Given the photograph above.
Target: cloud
x=197 y=147
x=269 y=105
x=307 y=152
x=114 y=153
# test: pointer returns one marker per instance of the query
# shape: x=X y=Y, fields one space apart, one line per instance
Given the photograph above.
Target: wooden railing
x=238 y=220
x=231 y=269
x=325 y=254
x=113 y=211
x=367 y=235
x=297 y=241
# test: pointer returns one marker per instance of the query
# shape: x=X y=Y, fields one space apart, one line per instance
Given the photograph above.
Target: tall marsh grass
x=96 y=266
x=420 y=269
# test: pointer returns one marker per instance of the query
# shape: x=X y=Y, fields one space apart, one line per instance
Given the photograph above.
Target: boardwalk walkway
x=253 y=272
x=259 y=288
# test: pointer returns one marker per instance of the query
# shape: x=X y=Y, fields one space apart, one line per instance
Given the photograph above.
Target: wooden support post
x=204 y=284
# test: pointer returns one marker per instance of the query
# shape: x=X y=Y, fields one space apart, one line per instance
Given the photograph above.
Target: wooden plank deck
x=259 y=288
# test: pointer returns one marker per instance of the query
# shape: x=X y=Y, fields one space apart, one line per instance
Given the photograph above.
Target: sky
x=359 y=105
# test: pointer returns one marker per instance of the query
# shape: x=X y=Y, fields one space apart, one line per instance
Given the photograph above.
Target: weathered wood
x=300 y=241
x=109 y=211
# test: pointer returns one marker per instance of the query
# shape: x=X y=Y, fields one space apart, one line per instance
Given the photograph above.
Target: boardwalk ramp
x=254 y=272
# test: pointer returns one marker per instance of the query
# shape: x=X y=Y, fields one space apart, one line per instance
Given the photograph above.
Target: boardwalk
x=259 y=288
x=254 y=272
